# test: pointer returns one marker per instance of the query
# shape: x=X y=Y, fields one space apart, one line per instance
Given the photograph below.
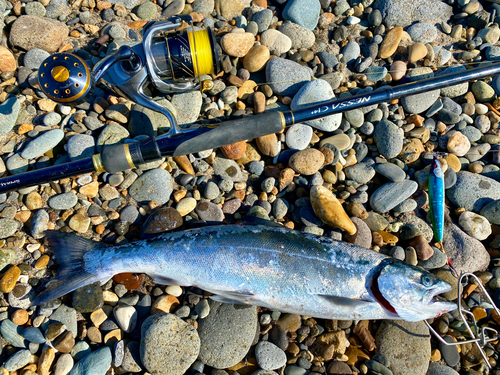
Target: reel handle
x=125 y=53
x=67 y=79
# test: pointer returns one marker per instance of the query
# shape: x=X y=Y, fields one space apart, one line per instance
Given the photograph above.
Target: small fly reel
x=172 y=64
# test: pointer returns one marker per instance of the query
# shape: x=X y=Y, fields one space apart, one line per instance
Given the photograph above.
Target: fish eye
x=426 y=280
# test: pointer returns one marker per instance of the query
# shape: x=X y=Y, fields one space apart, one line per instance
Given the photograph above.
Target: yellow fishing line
x=201 y=52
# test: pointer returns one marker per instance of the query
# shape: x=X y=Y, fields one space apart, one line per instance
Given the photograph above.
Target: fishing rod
x=177 y=64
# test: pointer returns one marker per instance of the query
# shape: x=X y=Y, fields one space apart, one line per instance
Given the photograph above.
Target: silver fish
x=271 y=267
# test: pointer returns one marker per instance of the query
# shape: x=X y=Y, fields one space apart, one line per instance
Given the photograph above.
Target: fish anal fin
x=163 y=280
x=224 y=299
x=344 y=301
x=235 y=297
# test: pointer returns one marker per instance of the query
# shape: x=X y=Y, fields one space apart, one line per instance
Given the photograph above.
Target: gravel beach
x=360 y=176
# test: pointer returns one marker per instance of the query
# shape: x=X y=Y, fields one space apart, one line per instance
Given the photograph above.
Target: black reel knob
x=65 y=78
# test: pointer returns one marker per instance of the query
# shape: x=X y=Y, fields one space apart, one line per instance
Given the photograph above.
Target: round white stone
x=475 y=225
x=126 y=317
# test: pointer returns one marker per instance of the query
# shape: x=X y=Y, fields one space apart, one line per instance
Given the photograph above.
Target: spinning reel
x=172 y=64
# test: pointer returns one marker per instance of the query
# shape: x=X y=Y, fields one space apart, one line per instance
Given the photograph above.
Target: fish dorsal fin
x=344 y=301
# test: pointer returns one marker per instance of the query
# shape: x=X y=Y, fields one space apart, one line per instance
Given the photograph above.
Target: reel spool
x=172 y=64
x=187 y=55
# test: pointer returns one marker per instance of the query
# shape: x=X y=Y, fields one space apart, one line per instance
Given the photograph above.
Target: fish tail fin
x=69 y=250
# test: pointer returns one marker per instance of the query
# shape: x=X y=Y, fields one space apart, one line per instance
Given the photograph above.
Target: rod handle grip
x=233 y=131
x=116 y=158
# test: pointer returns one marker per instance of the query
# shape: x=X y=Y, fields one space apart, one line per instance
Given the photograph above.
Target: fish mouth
x=433 y=298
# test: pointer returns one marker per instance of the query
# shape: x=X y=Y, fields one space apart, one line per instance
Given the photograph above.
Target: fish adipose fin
x=345 y=302
x=69 y=250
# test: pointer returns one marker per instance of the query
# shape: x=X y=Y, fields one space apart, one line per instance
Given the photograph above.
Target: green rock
x=8 y=227
x=147 y=10
x=258 y=211
x=491 y=139
x=7 y=256
x=88 y=298
x=483 y=92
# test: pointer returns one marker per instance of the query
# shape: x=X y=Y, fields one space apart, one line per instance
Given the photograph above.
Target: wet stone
x=449 y=352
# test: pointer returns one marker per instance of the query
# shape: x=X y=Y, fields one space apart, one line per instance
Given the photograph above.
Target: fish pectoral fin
x=163 y=280
x=346 y=302
x=409 y=316
x=238 y=298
